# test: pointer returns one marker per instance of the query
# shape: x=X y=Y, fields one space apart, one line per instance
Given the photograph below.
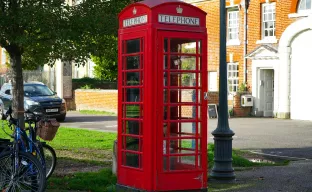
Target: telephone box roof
x=154 y=3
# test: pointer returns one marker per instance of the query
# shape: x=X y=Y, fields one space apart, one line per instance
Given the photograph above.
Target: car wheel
x=61 y=118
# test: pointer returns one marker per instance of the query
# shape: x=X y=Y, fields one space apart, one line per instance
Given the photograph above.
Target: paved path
x=296 y=177
x=271 y=136
x=94 y=122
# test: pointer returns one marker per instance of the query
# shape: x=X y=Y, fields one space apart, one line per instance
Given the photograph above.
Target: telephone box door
x=182 y=139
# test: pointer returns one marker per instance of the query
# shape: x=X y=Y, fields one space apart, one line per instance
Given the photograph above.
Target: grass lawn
x=95 y=148
x=93 y=112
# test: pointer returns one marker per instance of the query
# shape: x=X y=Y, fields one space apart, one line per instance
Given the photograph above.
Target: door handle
x=200 y=177
x=205 y=95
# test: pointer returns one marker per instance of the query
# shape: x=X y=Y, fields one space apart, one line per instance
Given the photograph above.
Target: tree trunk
x=17 y=84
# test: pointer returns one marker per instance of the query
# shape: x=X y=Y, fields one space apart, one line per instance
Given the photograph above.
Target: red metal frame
x=149 y=172
x=181 y=179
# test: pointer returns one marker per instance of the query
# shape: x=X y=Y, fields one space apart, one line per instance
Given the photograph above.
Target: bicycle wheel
x=29 y=175
x=4 y=145
x=50 y=159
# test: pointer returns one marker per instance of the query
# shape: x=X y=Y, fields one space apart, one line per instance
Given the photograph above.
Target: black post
x=222 y=169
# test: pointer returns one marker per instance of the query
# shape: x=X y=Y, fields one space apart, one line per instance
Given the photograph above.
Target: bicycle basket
x=46 y=129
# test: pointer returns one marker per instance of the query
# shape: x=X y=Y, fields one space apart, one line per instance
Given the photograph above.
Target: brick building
x=269 y=44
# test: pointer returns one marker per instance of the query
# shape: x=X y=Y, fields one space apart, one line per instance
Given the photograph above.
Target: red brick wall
x=107 y=100
x=238 y=110
x=101 y=100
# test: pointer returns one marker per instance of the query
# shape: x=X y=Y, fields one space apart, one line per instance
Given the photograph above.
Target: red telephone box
x=162 y=111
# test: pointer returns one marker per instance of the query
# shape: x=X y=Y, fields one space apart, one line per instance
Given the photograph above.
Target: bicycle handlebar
x=9 y=113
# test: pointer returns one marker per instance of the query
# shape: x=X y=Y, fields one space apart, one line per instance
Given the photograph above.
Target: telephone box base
x=122 y=188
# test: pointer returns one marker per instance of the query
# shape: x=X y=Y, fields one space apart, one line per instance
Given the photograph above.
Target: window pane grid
x=233 y=77
x=181 y=91
x=233 y=25
x=132 y=114
x=268 y=20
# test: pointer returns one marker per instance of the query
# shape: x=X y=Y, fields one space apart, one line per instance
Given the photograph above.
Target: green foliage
x=86 y=87
x=242 y=88
x=38 y=32
x=106 y=67
x=231 y=112
x=94 y=112
x=69 y=138
x=93 y=181
x=93 y=83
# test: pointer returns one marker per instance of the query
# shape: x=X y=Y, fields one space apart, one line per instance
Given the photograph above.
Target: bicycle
x=20 y=170
x=46 y=150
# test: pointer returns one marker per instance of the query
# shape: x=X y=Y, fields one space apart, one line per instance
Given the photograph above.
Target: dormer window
x=304 y=6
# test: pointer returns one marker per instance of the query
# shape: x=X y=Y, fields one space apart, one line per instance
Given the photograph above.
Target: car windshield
x=37 y=90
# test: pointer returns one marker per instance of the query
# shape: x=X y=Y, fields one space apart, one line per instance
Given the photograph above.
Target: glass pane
x=266 y=33
x=183 y=79
x=183 y=46
x=182 y=163
x=165 y=163
x=269 y=17
x=199 y=63
x=199 y=129
x=133 y=111
x=308 y=5
x=187 y=129
x=165 y=129
x=182 y=95
x=132 y=144
x=166 y=45
x=180 y=113
x=132 y=127
x=199 y=161
x=133 y=78
x=165 y=95
x=165 y=79
x=165 y=62
x=165 y=115
x=133 y=46
x=132 y=160
x=302 y=5
x=183 y=62
x=199 y=80
x=133 y=95
x=199 y=47
x=132 y=62
x=199 y=114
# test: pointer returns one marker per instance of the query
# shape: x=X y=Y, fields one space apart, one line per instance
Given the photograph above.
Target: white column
x=59 y=67
x=284 y=83
x=276 y=90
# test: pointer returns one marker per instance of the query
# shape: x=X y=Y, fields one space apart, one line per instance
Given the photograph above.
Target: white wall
x=284 y=64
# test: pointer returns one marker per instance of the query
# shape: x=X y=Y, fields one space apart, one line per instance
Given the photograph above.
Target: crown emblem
x=134 y=11
x=179 y=9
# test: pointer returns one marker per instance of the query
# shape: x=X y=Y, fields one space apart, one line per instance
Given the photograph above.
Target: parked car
x=38 y=98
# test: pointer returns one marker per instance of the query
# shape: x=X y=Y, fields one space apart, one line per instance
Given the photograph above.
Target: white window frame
x=273 y=19
x=212 y=83
x=233 y=24
x=233 y=77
